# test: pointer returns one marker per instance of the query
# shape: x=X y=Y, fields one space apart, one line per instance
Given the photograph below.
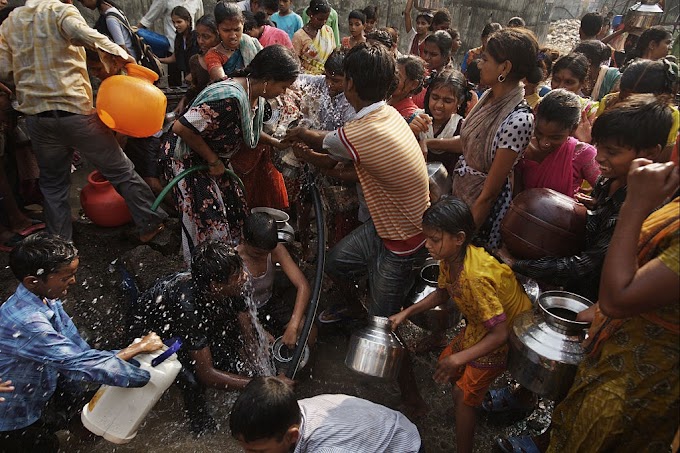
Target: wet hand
x=446 y=369
x=290 y=336
x=294 y=134
x=420 y=123
x=587 y=315
x=151 y=342
x=397 y=319
x=6 y=387
x=649 y=183
x=584 y=129
x=586 y=200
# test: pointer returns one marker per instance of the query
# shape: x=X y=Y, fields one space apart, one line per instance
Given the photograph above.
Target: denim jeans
x=54 y=139
x=390 y=276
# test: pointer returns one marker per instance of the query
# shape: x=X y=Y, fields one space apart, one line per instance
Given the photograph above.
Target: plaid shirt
x=39 y=342
x=41 y=53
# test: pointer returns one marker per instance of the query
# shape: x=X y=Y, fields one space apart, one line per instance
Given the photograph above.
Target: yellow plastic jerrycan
x=131 y=104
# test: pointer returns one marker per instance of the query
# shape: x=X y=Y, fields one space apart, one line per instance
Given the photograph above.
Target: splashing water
x=261 y=358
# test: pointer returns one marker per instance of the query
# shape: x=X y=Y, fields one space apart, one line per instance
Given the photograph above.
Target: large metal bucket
x=375 y=350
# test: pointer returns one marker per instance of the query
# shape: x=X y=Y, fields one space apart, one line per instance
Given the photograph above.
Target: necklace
x=226 y=49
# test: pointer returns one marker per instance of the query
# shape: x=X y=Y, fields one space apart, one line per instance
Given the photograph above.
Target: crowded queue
x=508 y=118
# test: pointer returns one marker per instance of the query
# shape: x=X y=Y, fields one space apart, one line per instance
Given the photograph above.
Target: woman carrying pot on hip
x=222 y=118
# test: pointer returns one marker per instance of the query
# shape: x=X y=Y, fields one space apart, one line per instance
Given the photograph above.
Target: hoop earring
x=264 y=90
x=501 y=78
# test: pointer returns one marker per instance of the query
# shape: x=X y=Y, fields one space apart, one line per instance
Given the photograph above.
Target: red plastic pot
x=102 y=204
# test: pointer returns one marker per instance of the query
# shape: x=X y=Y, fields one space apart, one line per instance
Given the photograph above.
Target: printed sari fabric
x=626 y=394
x=313 y=53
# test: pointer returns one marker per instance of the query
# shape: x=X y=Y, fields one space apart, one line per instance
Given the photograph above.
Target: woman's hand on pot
x=295 y=134
x=398 y=319
x=587 y=315
x=447 y=368
x=290 y=335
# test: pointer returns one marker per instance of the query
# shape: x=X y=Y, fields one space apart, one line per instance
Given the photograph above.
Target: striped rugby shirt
x=346 y=424
x=392 y=172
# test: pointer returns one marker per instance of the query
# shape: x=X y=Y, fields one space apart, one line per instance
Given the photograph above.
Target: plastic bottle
x=115 y=413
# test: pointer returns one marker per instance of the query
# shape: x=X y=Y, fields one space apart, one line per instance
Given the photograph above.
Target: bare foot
x=149 y=235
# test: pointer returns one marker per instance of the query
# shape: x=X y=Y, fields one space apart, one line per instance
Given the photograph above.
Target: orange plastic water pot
x=131 y=104
x=102 y=204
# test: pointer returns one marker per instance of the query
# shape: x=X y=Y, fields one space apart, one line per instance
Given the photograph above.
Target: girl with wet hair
x=554 y=159
x=489 y=296
x=235 y=50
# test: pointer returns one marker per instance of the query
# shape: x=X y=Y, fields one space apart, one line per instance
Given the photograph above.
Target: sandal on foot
x=504 y=400
x=520 y=444
x=36 y=225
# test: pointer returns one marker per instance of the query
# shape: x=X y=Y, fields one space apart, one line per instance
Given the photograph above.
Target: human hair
x=269 y=5
x=516 y=21
x=394 y=34
x=457 y=83
x=381 y=36
x=591 y=24
x=576 y=63
x=595 y=51
x=451 y=215
x=208 y=20
x=427 y=16
x=654 y=34
x=648 y=76
x=491 y=28
x=441 y=39
x=371 y=12
x=441 y=16
x=358 y=15
x=214 y=262
x=182 y=13
x=472 y=73
x=318 y=7
x=40 y=255
x=257 y=20
x=372 y=71
x=548 y=56
x=274 y=62
x=560 y=106
x=454 y=33
x=265 y=409
x=520 y=48
x=225 y=11
x=259 y=231
x=414 y=68
x=641 y=121
x=334 y=63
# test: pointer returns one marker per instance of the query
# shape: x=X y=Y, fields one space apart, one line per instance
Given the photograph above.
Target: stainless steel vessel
x=438 y=318
x=375 y=350
x=440 y=183
x=545 y=344
x=643 y=15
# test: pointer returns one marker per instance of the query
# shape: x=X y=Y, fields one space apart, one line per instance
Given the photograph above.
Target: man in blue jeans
x=42 y=55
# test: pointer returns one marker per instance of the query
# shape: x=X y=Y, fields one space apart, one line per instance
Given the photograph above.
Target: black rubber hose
x=316 y=290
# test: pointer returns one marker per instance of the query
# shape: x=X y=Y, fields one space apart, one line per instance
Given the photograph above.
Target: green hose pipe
x=173 y=182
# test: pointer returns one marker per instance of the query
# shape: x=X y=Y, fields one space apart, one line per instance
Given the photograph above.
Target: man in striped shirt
x=267 y=417
x=392 y=172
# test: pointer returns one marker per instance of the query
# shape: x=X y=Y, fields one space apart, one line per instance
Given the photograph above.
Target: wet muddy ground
x=98 y=305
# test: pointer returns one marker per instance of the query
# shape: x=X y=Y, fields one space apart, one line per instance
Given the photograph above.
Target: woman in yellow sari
x=626 y=395
x=314 y=42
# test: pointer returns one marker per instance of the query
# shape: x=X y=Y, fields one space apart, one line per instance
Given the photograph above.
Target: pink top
x=563 y=170
x=273 y=35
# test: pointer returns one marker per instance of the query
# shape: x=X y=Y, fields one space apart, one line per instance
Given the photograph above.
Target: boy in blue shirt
x=286 y=19
x=40 y=346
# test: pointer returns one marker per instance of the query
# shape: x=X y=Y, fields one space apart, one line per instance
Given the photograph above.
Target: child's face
x=284 y=6
x=317 y=21
x=230 y=33
x=443 y=245
x=206 y=38
x=614 y=159
x=181 y=25
x=56 y=284
x=441 y=26
x=443 y=103
x=370 y=25
x=356 y=28
x=422 y=26
x=335 y=83
x=565 y=79
x=455 y=45
x=550 y=135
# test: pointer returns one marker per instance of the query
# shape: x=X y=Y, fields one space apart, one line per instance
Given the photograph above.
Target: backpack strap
x=134 y=37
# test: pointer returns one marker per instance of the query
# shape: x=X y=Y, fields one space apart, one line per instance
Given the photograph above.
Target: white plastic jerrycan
x=115 y=413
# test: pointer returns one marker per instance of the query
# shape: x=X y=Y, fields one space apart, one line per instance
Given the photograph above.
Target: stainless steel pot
x=438 y=318
x=440 y=184
x=643 y=15
x=282 y=355
x=286 y=233
x=375 y=350
x=545 y=344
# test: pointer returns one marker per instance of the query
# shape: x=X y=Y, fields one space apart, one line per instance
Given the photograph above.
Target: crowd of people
x=357 y=112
